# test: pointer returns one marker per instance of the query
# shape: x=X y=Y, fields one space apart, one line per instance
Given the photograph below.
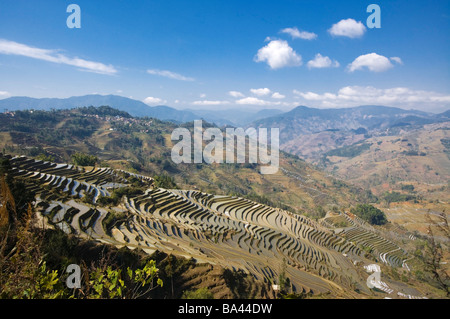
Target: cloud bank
x=14 y=48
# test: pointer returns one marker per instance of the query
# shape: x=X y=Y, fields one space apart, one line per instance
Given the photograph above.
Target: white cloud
x=170 y=75
x=322 y=62
x=277 y=95
x=368 y=95
x=261 y=92
x=278 y=54
x=252 y=101
x=348 y=28
x=297 y=34
x=372 y=61
x=397 y=60
x=154 y=101
x=236 y=94
x=203 y=95
x=14 y=48
x=206 y=102
x=4 y=94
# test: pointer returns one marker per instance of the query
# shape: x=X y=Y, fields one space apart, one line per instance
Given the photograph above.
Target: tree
x=434 y=254
x=370 y=214
x=84 y=159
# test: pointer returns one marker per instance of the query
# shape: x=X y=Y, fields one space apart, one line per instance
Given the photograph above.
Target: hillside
x=144 y=145
x=401 y=156
x=226 y=231
x=127 y=192
x=131 y=106
x=417 y=157
x=310 y=133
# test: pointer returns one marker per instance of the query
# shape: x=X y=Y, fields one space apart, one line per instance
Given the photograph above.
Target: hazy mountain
x=133 y=107
x=445 y=114
x=235 y=117
x=306 y=120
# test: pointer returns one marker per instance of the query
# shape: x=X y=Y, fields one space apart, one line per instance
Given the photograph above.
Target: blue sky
x=226 y=54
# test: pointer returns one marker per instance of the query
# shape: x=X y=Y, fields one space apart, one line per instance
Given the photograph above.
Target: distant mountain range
x=305 y=120
x=138 y=109
x=300 y=120
x=133 y=107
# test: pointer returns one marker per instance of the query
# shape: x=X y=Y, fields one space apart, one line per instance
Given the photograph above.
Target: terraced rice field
x=230 y=231
x=357 y=231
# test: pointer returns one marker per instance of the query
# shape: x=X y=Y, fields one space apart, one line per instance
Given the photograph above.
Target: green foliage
x=370 y=214
x=112 y=218
x=47 y=285
x=407 y=187
x=117 y=195
x=414 y=153
x=318 y=212
x=84 y=159
x=201 y=293
x=103 y=111
x=45 y=158
x=112 y=284
x=88 y=198
x=165 y=181
x=349 y=151
x=106 y=284
x=392 y=197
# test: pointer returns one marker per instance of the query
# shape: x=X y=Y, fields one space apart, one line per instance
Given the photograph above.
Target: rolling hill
x=145 y=145
x=131 y=106
x=233 y=117
x=295 y=223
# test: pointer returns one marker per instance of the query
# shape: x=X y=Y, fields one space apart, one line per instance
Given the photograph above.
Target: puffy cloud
x=261 y=92
x=297 y=34
x=154 y=101
x=278 y=54
x=322 y=62
x=348 y=28
x=236 y=94
x=277 y=95
x=372 y=61
x=170 y=75
x=14 y=48
x=363 y=95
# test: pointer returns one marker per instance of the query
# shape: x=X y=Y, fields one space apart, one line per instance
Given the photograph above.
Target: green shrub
x=370 y=214
x=84 y=159
x=201 y=293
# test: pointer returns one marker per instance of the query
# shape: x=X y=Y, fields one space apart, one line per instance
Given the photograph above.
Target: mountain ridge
x=220 y=117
